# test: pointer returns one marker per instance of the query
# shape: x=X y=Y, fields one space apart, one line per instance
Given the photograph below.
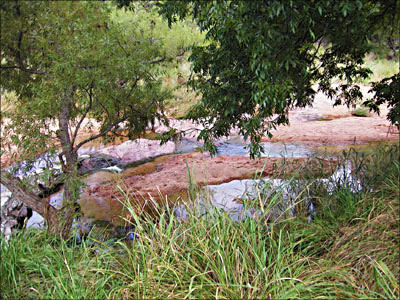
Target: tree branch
x=111 y=126
x=104 y=132
x=158 y=61
x=83 y=116
x=22 y=68
x=22 y=193
x=63 y=122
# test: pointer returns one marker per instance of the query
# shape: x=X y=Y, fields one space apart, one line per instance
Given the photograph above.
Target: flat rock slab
x=139 y=149
x=168 y=175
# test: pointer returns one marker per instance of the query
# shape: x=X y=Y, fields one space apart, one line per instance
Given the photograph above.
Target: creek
x=146 y=156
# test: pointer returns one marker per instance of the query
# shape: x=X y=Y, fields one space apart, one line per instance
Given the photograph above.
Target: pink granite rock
x=168 y=176
x=138 y=149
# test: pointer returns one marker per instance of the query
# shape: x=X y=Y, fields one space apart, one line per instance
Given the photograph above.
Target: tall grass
x=35 y=265
x=350 y=250
x=381 y=67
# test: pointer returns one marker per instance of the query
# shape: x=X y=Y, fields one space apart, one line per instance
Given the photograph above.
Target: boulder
x=97 y=161
x=139 y=149
x=14 y=215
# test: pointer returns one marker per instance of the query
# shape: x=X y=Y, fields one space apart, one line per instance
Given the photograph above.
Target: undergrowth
x=349 y=250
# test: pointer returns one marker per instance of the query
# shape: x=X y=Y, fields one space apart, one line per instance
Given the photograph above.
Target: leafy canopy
x=107 y=65
x=264 y=57
x=70 y=64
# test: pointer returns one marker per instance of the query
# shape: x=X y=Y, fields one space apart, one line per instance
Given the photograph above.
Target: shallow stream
x=228 y=196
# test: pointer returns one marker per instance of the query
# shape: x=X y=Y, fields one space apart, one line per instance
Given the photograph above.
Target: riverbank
x=350 y=250
x=312 y=131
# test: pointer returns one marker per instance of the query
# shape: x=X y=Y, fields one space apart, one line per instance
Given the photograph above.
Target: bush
x=360 y=112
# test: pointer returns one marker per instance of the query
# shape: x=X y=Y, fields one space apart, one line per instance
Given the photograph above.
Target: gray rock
x=14 y=215
x=36 y=221
x=96 y=162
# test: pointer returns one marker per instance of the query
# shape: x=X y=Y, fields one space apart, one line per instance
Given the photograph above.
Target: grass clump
x=361 y=112
x=36 y=265
x=381 y=67
x=350 y=250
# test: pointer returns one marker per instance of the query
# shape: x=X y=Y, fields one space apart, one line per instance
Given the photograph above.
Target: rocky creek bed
x=149 y=172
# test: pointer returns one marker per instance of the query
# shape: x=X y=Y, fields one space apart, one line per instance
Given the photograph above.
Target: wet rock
x=149 y=183
x=185 y=145
x=94 y=162
x=277 y=149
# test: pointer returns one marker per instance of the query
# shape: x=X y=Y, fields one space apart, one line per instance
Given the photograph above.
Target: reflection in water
x=229 y=197
x=279 y=197
x=276 y=149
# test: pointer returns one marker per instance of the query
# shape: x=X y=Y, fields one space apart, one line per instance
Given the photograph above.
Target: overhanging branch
x=24 y=194
x=22 y=68
x=103 y=133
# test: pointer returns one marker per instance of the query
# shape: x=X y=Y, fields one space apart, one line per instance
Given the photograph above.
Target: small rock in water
x=97 y=161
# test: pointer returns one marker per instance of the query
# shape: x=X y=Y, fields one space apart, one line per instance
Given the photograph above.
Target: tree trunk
x=40 y=205
x=71 y=194
x=69 y=159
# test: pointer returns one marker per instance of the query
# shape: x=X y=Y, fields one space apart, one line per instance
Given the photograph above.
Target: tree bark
x=40 y=205
x=69 y=167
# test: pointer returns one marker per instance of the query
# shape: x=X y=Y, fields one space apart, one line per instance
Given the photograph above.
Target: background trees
x=263 y=58
x=69 y=61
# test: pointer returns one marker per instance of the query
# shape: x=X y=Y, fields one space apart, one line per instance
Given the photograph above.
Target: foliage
x=173 y=41
x=110 y=74
x=70 y=61
x=381 y=68
x=360 y=112
x=350 y=250
x=263 y=57
x=176 y=40
x=387 y=91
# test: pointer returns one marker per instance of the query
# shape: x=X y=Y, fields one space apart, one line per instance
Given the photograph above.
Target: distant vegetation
x=361 y=112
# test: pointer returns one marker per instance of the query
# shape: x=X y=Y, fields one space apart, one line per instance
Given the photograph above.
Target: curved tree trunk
x=25 y=195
